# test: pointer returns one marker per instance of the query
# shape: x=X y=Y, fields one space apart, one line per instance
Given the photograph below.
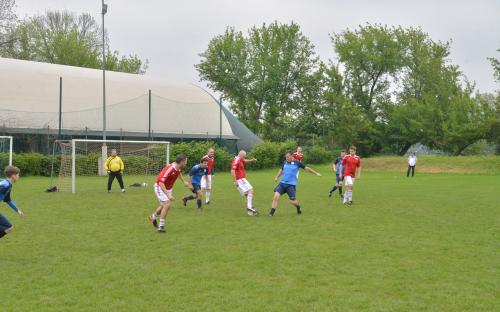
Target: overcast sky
x=171 y=34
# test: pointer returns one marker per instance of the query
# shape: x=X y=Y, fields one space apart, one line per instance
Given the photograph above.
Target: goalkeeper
x=114 y=167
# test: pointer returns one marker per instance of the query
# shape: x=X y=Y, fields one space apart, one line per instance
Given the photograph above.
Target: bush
x=318 y=155
x=195 y=150
x=268 y=154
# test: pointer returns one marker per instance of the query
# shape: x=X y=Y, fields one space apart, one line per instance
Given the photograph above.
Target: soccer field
x=429 y=243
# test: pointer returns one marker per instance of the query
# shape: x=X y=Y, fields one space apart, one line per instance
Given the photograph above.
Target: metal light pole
x=104 y=151
x=220 y=120
x=104 y=11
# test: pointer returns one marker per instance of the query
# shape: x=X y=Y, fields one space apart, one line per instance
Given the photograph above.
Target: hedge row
x=268 y=154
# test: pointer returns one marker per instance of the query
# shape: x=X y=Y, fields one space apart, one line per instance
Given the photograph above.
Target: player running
x=11 y=176
x=298 y=154
x=206 y=182
x=338 y=176
x=350 y=162
x=240 y=181
x=288 y=173
x=163 y=190
x=197 y=173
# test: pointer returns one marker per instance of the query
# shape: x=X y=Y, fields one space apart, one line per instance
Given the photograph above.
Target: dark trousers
x=112 y=176
x=412 y=168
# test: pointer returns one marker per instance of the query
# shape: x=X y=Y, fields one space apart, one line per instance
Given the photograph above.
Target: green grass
x=436 y=164
x=430 y=243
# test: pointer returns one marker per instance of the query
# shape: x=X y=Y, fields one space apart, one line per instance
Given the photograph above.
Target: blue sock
x=199 y=203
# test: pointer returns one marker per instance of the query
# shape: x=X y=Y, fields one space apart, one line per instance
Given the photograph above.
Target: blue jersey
x=338 y=162
x=5 y=188
x=196 y=173
x=291 y=171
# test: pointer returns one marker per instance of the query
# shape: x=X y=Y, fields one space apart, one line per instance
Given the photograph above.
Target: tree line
x=386 y=88
x=60 y=37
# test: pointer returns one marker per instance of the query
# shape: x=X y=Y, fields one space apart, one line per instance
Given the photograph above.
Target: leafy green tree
x=265 y=74
x=496 y=67
x=8 y=20
x=66 y=39
x=411 y=117
x=371 y=57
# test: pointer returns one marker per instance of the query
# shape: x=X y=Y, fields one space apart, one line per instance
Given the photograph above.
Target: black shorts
x=283 y=188
x=196 y=188
x=4 y=223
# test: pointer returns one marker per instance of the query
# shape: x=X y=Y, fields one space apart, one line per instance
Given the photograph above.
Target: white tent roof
x=29 y=99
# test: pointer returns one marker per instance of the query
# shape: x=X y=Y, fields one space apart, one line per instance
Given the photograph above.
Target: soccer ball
x=144 y=184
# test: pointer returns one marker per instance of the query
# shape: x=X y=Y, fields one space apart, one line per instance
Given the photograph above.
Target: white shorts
x=206 y=183
x=243 y=186
x=349 y=180
x=162 y=197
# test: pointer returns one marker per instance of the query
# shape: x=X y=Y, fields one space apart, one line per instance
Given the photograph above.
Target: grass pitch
x=429 y=243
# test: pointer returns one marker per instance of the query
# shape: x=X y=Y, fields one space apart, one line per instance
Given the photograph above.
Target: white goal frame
x=73 y=153
x=11 y=141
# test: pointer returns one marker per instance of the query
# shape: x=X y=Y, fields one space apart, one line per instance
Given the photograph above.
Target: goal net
x=82 y=162
x=5 y=152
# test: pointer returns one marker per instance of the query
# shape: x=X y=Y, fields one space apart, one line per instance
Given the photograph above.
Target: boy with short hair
x=163 y=190
x=351 y=162
x=338 y=179
x=11 y=176
x=198 y=172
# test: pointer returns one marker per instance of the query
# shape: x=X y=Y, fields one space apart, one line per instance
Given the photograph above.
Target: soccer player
x=338 y=179
x=197 y=173
x=114 y=166
x=298 y=154
x=163 y=190
x=349 y=165
x=240 y=181
x=11 y=176
x=206 y=182
x=288 y=173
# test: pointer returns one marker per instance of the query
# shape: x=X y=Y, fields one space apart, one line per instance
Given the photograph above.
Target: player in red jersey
x=298 y=154
x=349 y=165
x=206 y=182
x=240 y=181
x=163 y=189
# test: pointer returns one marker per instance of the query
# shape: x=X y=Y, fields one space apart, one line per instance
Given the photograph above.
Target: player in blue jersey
x=288 y=182
x=336 y=166
x=197 y=173
x=11 y=176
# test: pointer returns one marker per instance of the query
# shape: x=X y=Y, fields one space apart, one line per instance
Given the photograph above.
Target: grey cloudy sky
x=170 y=34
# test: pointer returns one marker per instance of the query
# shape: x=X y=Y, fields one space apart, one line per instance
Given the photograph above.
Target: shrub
x=318 y=155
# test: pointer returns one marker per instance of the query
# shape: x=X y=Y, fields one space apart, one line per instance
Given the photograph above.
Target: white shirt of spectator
x=412 y=160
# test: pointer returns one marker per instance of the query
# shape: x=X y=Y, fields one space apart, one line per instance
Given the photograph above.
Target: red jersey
x=168 y=176
x=298 y=156
x=238 y=166
x=351 y=163
x=211 y=161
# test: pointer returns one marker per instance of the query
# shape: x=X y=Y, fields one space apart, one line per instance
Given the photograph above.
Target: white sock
x=249 y=201
x=346 y=197
x=207 y=196
x=154 y=215
x=162 y=222
x=350 y=195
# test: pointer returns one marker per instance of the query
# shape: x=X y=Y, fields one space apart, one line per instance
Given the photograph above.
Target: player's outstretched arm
x=280 y=172
x=311 y=170
x=249 y=160
x=186 y=184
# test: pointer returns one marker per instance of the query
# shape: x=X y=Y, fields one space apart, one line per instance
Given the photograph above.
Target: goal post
x=6 y=143
x=80 y=157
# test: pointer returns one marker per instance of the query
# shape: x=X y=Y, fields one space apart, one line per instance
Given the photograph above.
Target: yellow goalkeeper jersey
x=114 y=164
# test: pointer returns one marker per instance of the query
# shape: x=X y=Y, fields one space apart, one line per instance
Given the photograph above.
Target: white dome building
x=29 y=102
